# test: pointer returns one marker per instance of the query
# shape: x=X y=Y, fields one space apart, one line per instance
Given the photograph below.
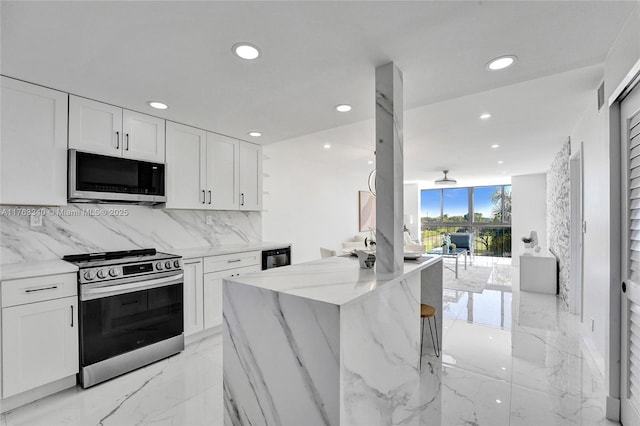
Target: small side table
x=539 y=272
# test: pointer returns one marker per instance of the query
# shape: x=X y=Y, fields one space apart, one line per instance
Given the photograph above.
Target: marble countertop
x=335 y=280
x=189 y=253
x=14 y=271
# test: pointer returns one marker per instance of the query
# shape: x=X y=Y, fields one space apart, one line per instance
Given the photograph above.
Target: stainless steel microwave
x=100 y=178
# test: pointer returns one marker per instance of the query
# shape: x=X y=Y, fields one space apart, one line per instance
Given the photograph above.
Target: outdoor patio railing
x=487 y=240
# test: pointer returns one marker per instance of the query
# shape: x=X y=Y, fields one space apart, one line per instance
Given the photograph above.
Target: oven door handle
x=114 y=290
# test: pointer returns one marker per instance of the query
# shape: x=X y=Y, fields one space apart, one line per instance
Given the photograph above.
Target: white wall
x=311 y=194
x=528 y=211
x=591 y=130
x=412 y=209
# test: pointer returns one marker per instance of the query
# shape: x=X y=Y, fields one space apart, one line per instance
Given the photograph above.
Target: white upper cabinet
x=110 y=130
x=250 y=176
x=186 y=169
x=203 y=169
x=33 y=151
x=222 y=172
x=95 y=127
x=143 y=137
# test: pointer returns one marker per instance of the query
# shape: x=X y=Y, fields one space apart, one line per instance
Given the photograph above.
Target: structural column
x=389 y=171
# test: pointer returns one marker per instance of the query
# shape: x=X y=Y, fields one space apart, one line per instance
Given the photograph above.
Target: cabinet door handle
x=209 y=197
x=203 y=196
x=234 y=260
x=72 y=316
x=126 y=146
x=242 y=199
x=33 y=290
x=117 y=140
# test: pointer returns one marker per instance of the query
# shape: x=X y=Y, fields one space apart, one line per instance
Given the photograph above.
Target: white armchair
x=411 y=246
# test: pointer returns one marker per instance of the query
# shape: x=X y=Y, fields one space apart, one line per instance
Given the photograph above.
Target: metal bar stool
x=428 y=312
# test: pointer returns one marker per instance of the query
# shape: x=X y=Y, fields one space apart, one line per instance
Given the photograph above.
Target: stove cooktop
x=92 y=260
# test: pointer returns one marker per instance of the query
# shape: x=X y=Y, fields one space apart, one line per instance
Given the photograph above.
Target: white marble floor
x=514 y=358
x=509 y=358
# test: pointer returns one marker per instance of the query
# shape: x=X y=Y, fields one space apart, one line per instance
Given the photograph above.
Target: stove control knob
x=167 y=264
x=159 y=266
x=176 y=263
x=102 y=273
x=114 y=272
x=89 y=275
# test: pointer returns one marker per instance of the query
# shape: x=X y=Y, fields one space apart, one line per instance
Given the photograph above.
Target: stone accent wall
x=559 y=216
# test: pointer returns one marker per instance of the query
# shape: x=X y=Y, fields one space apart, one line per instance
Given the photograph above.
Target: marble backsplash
x=81 y=228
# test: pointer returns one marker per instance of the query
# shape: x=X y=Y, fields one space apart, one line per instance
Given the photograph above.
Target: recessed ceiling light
x=327 y=146
x=157 y=105
x=495 y=145
x=255 y=134
x=498 y=401
x=501 y=62
x=485 y=116
x=370 y=162
x=500 y=162
x=343 y=108
x=246 y=51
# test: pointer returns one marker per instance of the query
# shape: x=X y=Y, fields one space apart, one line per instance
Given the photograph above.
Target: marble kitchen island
x=328 y=343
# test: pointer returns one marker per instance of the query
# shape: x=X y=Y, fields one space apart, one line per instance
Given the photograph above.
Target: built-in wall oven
x=275 y=258
x=130 y=311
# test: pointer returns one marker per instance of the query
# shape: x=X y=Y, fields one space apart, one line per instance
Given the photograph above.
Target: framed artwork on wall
x=367 y=214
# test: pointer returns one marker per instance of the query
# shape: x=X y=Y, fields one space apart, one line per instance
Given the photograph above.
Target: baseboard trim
x=32 y=395
x=196 y=337
x=613 y=409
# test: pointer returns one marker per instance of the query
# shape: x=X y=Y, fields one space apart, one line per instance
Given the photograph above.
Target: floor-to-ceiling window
x=483 y=210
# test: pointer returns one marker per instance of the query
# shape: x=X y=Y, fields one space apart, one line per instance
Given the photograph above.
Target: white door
x=250 y=176
x=143 y=137
x=95 y=127
x=222 y=172
x=39 y=344
x=630 y=303
x=193 y=298
x=185 y=171
x=33 y=144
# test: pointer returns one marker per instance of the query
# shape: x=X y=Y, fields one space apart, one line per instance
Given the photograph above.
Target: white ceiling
x=316 y=55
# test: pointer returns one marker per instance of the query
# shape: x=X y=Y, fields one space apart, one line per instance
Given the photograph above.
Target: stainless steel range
x=131 y=311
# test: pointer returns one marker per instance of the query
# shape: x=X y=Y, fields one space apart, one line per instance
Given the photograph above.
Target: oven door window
x=277 y=260
x=117 y=324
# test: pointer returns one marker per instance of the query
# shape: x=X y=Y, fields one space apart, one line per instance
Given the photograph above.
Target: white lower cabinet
x=213 y=293
x=203 y=287
x=39 y=332
x=193 y=315
x=213 y=298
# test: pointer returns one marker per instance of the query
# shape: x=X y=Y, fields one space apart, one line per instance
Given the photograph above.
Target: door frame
x=576 y=170
x=613 y=370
